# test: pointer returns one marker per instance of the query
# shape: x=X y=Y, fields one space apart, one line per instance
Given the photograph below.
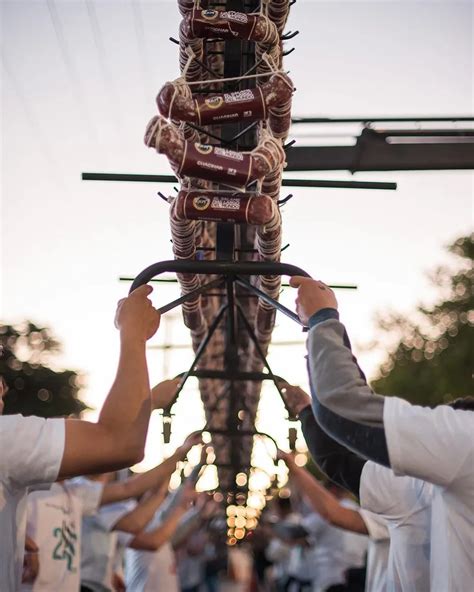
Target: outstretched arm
x=343 y=403
x=137 y=519
x=371 y=425
x=154 y=539
x=337 y=462
x=137 y=485
x=117 y=440
x=324 y=502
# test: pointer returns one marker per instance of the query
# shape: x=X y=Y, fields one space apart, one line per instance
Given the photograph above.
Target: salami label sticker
x=201 y=202
x=215 y=164
x=197 y=205
x=228 y=107
x=227 y=24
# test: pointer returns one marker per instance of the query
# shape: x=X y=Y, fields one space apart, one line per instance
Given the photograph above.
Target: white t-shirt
x=354 y=544
x=437 y=445
x=31 y=450
x=150 y=571
x=405 y=504
x=377 y=552
x=99 y=544
x=54 y=523
x=323 y=562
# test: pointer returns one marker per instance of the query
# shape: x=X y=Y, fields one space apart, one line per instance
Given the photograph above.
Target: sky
x=78 y=83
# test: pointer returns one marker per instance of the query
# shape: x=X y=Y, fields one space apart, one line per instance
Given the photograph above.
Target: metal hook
x=289 y=35
x=163 y=197
x=284 y=200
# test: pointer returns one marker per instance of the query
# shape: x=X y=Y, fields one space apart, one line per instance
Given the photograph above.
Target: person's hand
x=286 y=457
x=135 y=317
x=118 y=585
x=188 y=495
x=312 y=296
x=296 y=399
x=30 y=563
x=163 y=393
x=193 y=439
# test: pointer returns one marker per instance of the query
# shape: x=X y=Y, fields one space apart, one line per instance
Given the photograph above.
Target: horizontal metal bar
x=373 y=153
x=332 y=286
x=454 y=133
x=224 y=268
x=338 y=184
x=158 y=280
x=453 y=118
x=137 y=178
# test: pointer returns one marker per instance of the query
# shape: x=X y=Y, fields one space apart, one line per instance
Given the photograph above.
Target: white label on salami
x=232 y=15
x=226 y=153
x=239 y=96
x=225 y=203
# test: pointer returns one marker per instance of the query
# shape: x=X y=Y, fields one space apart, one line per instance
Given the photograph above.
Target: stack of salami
x=222 y=185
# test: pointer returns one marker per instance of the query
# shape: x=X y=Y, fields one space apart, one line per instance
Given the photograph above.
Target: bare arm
x=138 y=484
x=151 y=541
x=136 y=520
x=325 y=504
x=117 y=440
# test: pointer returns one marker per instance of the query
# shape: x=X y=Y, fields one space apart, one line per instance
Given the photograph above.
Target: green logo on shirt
x=66 y=546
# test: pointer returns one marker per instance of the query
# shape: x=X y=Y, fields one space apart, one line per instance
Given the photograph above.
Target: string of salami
x=218 y=184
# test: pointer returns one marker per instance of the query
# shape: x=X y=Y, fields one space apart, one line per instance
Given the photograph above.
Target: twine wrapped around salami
x=175 y=101
x=224 y=206
x=229 y=24
x=214 y=163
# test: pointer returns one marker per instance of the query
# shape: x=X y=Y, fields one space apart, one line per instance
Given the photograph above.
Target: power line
x=71 y=69
x=113 y=96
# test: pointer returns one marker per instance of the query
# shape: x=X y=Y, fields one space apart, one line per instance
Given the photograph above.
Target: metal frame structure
x=230 y=274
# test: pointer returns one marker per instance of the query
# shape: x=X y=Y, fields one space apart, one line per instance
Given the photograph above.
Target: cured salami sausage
x=272 y=98
x=213 y=162
x=229 y=24
x=249 y=208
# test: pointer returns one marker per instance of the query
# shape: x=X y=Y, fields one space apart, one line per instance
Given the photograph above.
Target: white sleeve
x=381 y=491
x=32 y=449
x=89 y=492
x=436 y=445
x=110 y=514
x=376 y=525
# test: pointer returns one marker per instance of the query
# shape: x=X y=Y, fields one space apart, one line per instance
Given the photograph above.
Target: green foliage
x=34 y=387
x=433 y=360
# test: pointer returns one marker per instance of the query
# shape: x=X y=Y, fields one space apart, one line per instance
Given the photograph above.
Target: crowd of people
x=71 y=520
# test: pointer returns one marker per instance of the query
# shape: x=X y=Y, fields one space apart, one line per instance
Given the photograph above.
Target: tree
x=433 y=359
x=34 y=387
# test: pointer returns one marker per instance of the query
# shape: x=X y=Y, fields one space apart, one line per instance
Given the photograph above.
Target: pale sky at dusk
x=79 y=80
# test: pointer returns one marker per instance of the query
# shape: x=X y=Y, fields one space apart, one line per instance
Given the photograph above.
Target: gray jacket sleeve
x=343 y=404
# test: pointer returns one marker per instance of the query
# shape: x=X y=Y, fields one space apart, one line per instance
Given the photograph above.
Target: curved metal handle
x=224 y=268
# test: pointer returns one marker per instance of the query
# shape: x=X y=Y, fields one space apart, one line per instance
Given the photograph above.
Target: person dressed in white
x=37 y=451
x=432 y=445
x=98 y=541
x=402 y=503
x=149 y=568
